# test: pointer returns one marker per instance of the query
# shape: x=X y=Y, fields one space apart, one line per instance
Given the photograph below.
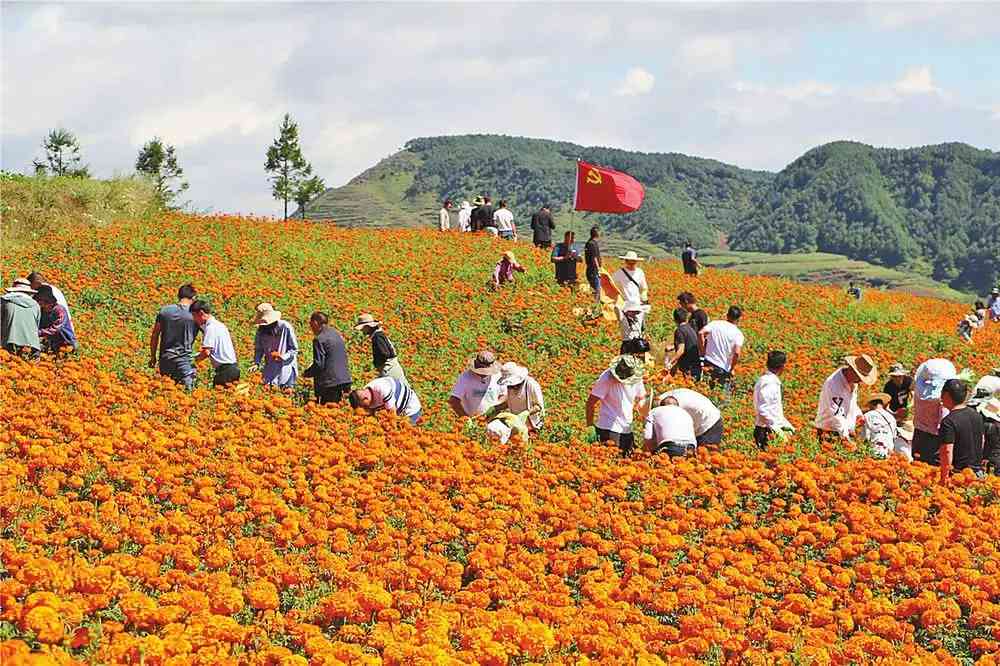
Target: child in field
x=505 y=269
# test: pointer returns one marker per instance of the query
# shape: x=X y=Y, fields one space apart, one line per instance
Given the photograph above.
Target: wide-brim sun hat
x=990 y=409
x=484 y=364
x=885 y=398
x=268 y=317
x=509 y=256
x=20 y=286
x=478 y=201
x=630 y=256
x=864 y=366
x=366 y=319
x=898 y=370
x=512 y=374
x=627 y=369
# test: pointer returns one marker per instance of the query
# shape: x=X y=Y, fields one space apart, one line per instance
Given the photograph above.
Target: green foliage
x=934 y=210
x=62 y=155
x=158 y=161
x=285 y=163
x=306 y=191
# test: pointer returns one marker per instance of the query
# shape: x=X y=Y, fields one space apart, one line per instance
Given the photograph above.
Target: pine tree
x=285 y=163
x=307 y=190
x=158 y=161
x=62 y=153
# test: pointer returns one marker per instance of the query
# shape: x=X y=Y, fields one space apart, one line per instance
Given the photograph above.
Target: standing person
x=632 y=320
x=721 y=345
x=631 y=280
x=878 y=426
x=20 y=316
x=478 y=388
x=697 y=317
x=708 y=425
x=993 y=305
x=444 y=216
x=389 y=394
x=900 y=389
x=565 y=257
x=504 y=271
x=276 y=350
x=686 y=356
x=854 y=291
x=37 y=281
x=55 y=329
x=465 y=217
x=216 y=345
x=961 y=432
x=669 y=429
x=486 y=216
x=173 y=334
x=689 y=257
x=524 y=396
x=990 y=411
x=769 y=410
x=619 y=390
x=475 y=215
x=385 y=360
x=542 y=227
x=837 y=413
x=592 y=259
x=928 y=411
x=503 y=220
x=330 y=371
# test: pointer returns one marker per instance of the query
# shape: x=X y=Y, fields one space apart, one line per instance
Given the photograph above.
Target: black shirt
x=329 y=366
x=382 y=349
x=565 y=270
x=542 y=226
x=592 y=256
x=485 y=216
x=900 y=394
x=686 y=335
x=963 y=428
x=698 y=319
x=688 y=257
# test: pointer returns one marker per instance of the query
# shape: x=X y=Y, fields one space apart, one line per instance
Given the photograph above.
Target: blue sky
x=751 y=84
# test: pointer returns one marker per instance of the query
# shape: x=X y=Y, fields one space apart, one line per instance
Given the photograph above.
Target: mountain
x=685 y=196
x=933 y=210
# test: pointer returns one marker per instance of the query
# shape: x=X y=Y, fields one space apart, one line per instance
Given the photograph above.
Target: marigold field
x=142 y=524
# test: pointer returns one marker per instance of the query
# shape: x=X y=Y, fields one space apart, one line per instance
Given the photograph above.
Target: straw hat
x=478 y=201
x=20 y=285
x=366 y=319
x=512 y=374
x=990 y=409
x=898 y=370
x=484 y=364
x=266 y=314
x=884 y=398
x=627 y=369
x=510 y=257
x=630 y=256
x=864 y=366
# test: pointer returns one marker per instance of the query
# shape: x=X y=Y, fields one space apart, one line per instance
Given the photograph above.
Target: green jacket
x=19 y=319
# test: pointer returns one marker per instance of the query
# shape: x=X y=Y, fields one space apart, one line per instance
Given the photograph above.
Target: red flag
x=605 y=190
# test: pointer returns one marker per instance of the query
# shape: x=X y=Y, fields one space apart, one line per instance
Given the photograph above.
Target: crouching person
x=523 y=410
x=669 y=429
x=390 y=394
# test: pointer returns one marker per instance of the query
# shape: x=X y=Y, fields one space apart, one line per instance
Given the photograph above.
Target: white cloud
x=707 y=53
x=917 y=81
x=195 y=121
x=638 y=81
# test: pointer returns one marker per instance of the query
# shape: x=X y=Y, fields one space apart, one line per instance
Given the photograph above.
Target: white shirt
x=879 y=428
x=724 y=337
x=629 y=291
x=928 y=380
x=464 y=216
x=702 y=411
x=503 y=219
x=995 y=308
x=767 y=405
x=838 y=409
x=524 y=397
x=988 y=384
x=215 y=336
x=478 y=393
x=394 y=395
x=669 y=423
x=444 y=219
x=617 y=402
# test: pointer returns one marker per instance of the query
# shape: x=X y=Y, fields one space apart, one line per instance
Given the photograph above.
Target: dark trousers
x=180 y=369
x=325 y=394
x=693 y=371
x=624 y=440
x=712 y=436
x=761 y=436
x=675 y=450
x=227 y=373
x=719 y=377
x=545 y=245
x=926 y=447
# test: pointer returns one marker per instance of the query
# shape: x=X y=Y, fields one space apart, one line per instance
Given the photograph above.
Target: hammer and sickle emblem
x=594 y=177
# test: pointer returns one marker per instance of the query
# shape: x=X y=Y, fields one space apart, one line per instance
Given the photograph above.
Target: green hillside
x=934 y=211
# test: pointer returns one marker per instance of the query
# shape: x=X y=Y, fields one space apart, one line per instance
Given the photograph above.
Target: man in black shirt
x=961 y=432
x=565 y=257
x=697 y=317
x=329 y=370
x=900 y=388
x=485 y=214
x=685 y=356
x=384 y=358
x=592 y=258
x=541 y=228
x=474 y=215
x=689 y=257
